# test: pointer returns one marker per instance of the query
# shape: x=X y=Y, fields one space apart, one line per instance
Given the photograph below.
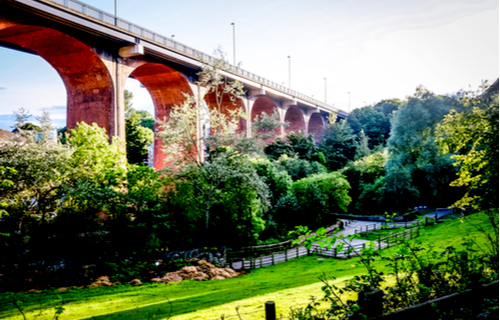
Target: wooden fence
x=271 y=252
x=255 y=260
x=381 y=243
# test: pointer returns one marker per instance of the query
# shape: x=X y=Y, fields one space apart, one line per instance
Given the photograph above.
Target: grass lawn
x=289 y=284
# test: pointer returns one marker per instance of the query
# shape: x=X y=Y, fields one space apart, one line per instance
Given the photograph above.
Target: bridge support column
x=119 y=74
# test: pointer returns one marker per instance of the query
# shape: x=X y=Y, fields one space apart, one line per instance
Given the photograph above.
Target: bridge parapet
x=168 y=43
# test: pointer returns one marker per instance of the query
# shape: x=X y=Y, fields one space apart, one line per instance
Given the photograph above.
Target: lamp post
x=289 y=72
x=325 y=90
x=349 y=101
x=234 y=44
x=116 y=13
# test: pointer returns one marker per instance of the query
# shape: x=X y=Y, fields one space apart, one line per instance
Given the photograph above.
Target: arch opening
x=317 y=127
x=89 y=87
x=166 y=87
x=225 y=105
x=295 y=117
x=267 y=105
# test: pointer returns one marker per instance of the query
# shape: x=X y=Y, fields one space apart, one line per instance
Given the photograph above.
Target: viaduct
x=95 y=53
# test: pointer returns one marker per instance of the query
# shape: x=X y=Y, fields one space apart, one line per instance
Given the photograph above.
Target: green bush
x=320 y=196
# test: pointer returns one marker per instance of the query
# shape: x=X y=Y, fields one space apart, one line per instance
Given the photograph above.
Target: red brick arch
x=227 y=105
x=316 y=126
x=89 y=86
x=295 y=117
x=167 y=88
x=267 y=105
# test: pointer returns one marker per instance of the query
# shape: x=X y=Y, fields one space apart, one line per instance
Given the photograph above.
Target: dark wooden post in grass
x=272 y=257
x=270 y=310
x=370 y=302
x=379 y=243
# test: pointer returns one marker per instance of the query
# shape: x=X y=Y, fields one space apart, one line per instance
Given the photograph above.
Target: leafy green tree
x=364 y=176
x=138 y=136
x=362 y=149
x=95 y=158
x=472 y=137
x=277 y=148
x=225 y=170
x=266 y=128
x=338 y=144
x=299 y=168
x=320 y=196
x=413 y=152
x=374 y=121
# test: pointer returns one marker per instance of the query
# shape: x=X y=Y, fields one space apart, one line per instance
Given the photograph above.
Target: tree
x=224 y=170
x=266 y=128
x=366 y=177
x=373 y=123
x=138 y=136
x=472 y=137
x=320 y=196
x=338 y=144
x=95 y=158
x=413 y=153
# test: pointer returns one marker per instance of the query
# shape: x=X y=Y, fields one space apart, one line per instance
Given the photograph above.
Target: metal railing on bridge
x=179 y=47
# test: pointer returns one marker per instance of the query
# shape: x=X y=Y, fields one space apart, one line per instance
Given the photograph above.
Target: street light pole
x=116 y=13
x=234 y=44
x=349 y=101
x=325 y=90
x=289 y=72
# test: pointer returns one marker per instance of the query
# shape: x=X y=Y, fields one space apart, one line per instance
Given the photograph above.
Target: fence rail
x=169 y=43
x=255 y=260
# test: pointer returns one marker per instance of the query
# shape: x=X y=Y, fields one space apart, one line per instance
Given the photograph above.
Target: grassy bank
x=289 y=284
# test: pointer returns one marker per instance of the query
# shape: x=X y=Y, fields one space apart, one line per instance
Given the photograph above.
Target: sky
x=358 y=52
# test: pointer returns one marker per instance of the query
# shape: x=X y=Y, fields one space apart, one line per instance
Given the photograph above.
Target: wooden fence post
x=379 y=243
x=272 y=257
x=261 y=261
x=286 y=256
x=335 y=252
x=270 y=310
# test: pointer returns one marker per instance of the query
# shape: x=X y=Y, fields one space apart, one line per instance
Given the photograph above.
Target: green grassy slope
x=289 y=284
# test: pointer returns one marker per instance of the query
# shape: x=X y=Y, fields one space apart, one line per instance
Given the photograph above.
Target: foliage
x=338 y=145
x=138 y=131
x=266 y=127
x=299 y=168
x=415 y=166
x=138 y=139
x=320 y=196
x=278 y=148
x=227 y=195
x=419 y=274
x=472 y=135
x=94 y=158
x=366 y=178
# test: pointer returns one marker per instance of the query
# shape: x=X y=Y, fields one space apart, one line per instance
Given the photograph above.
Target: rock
x=218 y=278
x=101 y=281
x=136 y=282
x=200 y=276
x=62 y=289
x=171 y=277
x=204 y=265
x=188 y=272
x=156 y=280
x=231 y=272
